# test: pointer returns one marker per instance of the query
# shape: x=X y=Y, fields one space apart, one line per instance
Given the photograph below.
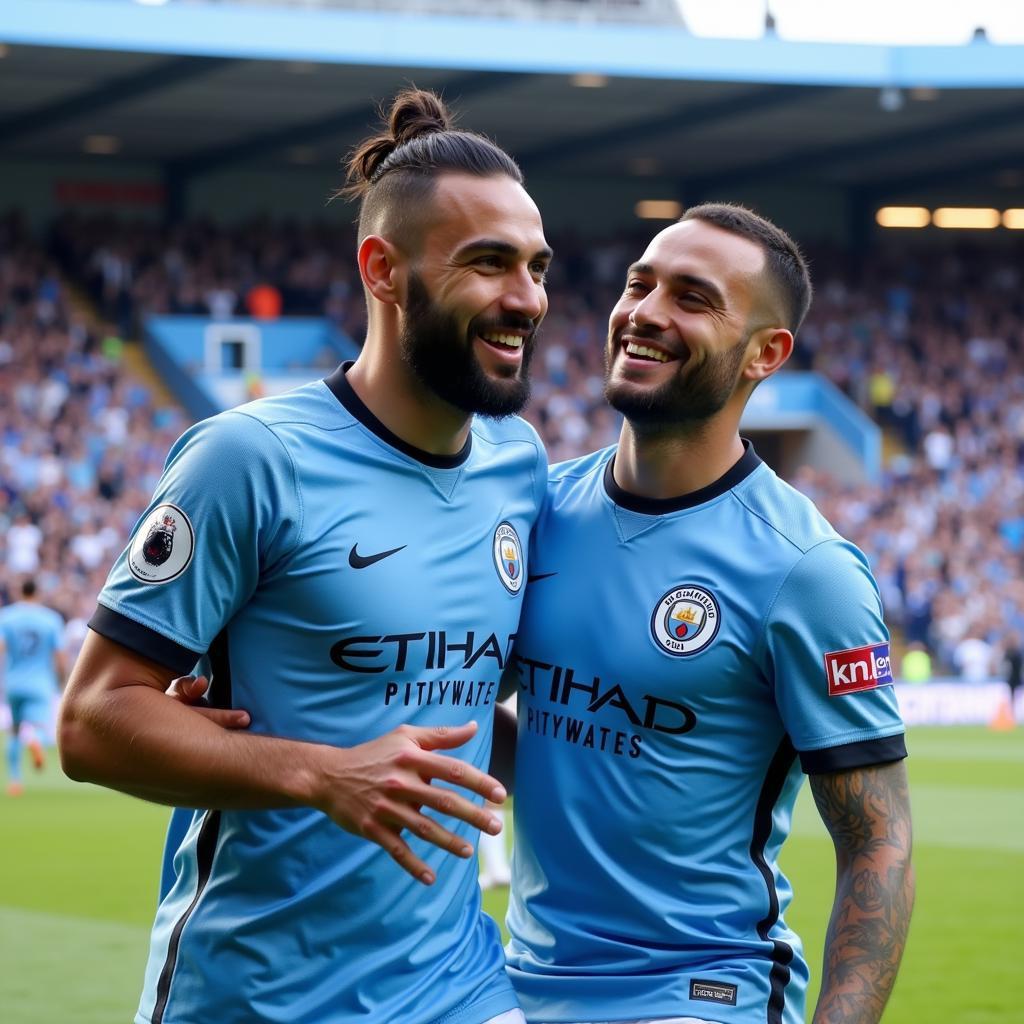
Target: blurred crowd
x=930 y=344
x=82 y=442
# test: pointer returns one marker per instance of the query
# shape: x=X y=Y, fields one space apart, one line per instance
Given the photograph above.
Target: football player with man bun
x=346 y=562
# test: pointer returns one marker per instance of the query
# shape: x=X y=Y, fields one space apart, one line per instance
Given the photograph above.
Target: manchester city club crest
x=163 y=546
x=508 y=557
x=685 y=620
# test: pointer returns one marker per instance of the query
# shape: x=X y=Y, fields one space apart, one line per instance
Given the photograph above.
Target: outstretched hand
x=191 y=691
x=379 y=788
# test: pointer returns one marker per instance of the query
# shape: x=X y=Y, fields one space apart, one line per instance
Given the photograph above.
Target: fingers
x=191 y=691
x=451 y=769
x=404 y=816
x=441 y=737
x=399 y=851
x=226 y=718
x=453 y=805
x=188 y=689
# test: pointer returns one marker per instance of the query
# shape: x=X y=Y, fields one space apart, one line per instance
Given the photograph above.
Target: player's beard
x=441 y=356
x=688 y=399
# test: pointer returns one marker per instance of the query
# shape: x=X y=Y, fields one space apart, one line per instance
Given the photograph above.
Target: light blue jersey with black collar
x=679 y=663
x=338 y=583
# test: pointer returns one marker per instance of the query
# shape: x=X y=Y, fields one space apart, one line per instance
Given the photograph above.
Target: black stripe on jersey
x=854 y=755
x=143 y=640
x=782 y=952
x=219 y=695
x=748 y=462
x=206 y=846
x=344 y=393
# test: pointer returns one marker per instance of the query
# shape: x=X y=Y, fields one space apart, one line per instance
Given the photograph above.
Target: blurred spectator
x=916 y=664
x=973 y=659
x=264 y=301
x=931 y=343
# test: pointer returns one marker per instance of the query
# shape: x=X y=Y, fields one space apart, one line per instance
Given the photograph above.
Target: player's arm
x=867 y=813
x=118 y=729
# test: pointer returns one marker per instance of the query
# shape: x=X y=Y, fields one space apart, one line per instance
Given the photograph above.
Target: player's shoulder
x=507 y=430
x=310 y=404
x=572 y=472
x=793 y=517
x=246 y=433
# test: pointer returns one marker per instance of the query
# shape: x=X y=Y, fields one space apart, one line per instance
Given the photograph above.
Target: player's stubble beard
x=683 y=403
x=440 y=354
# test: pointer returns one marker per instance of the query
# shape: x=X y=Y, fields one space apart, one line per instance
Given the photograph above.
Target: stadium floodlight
x=966 y=217
x=658 y=209
x=1013 y=219
x=151 y=3
x=101 y=145
x=903 y=217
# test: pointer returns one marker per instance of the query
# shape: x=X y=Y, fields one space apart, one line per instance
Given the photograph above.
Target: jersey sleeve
x=828 y=660
x=226 y=509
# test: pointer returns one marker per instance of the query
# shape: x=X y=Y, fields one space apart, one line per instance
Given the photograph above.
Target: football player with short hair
x=32 y=651
x=695 y=637
x=348 y=562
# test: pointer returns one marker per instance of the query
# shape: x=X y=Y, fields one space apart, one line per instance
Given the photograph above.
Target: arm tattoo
x=867 y=812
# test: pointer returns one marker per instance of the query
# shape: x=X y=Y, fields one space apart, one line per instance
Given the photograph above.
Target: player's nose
x=525 y=295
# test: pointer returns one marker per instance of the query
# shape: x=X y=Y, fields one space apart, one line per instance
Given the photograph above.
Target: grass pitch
x=79 y=869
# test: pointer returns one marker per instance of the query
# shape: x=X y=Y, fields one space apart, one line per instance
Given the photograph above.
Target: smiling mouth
x=503 y=341
x=644 y=351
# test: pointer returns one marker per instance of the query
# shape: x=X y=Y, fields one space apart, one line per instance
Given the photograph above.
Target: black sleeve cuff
x=854 y=755
x=143 y=640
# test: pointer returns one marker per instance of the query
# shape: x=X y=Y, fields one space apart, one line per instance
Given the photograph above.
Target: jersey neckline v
x=748 y=462
x=345 y=394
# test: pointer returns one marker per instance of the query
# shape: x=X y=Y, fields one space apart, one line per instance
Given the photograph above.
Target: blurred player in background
x=695 y=634
x=348 y=560
x=31 y=648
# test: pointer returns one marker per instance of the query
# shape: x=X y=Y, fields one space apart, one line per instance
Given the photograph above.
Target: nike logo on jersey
x=358 y=561
x=539 y=576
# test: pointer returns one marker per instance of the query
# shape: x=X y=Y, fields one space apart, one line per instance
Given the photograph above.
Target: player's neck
x=408 y=409
x=671 y=464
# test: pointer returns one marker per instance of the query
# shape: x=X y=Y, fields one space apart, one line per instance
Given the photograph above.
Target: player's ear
x=771 y=347
x=380 y=267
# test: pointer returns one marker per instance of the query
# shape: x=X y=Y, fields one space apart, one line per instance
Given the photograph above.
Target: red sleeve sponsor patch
x=859 y=668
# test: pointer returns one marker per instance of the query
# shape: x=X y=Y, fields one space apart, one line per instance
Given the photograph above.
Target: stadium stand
x=930 y=344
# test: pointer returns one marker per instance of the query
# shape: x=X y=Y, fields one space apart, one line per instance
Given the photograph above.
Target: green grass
x=79 y=867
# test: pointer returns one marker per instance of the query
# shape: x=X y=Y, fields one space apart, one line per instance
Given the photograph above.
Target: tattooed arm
x=867 y=813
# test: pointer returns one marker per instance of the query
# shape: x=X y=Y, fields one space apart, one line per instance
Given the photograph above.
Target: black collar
x=748 y=462
x=345 y=394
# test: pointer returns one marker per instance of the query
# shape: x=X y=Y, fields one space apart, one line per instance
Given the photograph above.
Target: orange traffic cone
x=1003 y=720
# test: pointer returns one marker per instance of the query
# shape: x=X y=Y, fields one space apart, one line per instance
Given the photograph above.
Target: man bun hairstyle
x=393 y=173
x=785 y=265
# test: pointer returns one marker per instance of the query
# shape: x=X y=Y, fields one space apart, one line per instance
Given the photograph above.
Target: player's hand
x=191 y=691
x=377 y=789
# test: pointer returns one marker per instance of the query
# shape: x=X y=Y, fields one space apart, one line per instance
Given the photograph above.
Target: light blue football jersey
x=679 y=662
x=32 y=635
x=340 y=583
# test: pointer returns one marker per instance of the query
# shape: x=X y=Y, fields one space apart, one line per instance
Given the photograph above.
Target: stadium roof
x=864 y=118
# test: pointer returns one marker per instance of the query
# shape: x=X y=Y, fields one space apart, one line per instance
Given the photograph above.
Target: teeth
x=633 y=349
x=509 y=340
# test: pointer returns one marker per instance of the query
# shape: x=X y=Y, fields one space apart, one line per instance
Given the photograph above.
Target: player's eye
x=492 y=261
x=539 y=269
x=693 y=298
x=635 y=287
